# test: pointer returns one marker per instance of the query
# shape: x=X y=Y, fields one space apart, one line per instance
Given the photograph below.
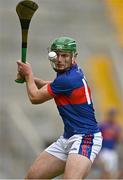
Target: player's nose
x=59 y=58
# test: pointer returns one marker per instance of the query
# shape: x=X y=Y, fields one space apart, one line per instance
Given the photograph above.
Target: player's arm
x=36 y=96
x=40 y=83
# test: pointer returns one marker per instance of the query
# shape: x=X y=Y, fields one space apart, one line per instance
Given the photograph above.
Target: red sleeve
x=50 y=90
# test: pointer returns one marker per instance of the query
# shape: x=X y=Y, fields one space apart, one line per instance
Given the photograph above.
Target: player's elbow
x=33 y=101
x=36 y=101
x=40 y=98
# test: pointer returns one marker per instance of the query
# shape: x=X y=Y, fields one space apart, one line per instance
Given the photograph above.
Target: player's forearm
x=32 y=89
x=40 y=83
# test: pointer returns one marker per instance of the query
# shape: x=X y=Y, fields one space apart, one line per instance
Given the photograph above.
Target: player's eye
x=63 y=55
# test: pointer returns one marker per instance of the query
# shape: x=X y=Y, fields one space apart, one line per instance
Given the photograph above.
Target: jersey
x=73 y=99
x=110 y=133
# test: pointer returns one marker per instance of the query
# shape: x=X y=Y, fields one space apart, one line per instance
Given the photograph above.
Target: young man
x=74 y=152
x=111 y=132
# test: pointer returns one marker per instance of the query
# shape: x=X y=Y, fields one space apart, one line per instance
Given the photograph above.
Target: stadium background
x=97 y=26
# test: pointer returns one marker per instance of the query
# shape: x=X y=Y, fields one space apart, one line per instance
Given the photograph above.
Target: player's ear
x=75 y=55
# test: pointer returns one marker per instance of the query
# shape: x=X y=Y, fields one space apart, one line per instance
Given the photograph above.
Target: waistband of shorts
x=67 y=136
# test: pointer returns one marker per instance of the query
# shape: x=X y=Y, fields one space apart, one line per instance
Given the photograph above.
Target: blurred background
x=97 y=26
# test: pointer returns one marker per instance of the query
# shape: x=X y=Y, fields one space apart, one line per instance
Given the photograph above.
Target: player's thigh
x=46 y=166
x=77 y=166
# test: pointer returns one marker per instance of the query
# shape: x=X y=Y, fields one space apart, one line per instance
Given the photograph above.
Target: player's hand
x=24 y=69
x=19 y=76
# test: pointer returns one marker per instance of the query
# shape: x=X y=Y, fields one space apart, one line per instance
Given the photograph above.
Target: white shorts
x=86 y=145
x=109 y=158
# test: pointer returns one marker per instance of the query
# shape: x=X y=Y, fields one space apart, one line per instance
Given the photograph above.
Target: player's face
x=64 y=61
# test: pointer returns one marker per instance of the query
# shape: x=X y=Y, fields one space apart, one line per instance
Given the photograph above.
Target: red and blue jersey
x=73 y=99
x=111 y=134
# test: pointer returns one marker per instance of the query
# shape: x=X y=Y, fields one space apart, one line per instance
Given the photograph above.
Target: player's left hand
x=24 y=69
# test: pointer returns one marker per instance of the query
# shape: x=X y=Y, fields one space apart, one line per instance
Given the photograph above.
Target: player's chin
x=60 y=70
x=60 y=67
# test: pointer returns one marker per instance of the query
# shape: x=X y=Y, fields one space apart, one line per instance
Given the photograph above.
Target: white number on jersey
x=86 y=91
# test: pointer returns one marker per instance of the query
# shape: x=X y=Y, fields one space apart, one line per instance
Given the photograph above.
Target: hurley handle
x=23 y=59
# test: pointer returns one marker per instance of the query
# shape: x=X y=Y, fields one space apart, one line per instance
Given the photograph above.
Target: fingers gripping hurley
x=25 y=10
